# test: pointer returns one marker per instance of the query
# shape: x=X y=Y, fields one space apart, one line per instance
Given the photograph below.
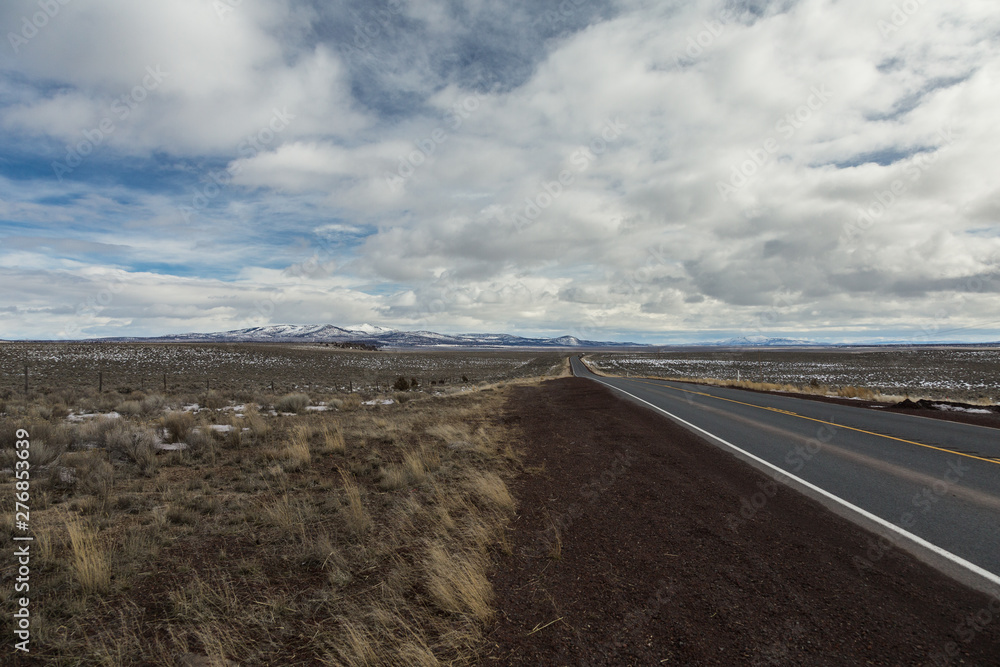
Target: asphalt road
x=935 y=479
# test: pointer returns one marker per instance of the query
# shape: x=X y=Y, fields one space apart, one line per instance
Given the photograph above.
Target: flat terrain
x=959 y=373
x=253 y=367
x=624 y=553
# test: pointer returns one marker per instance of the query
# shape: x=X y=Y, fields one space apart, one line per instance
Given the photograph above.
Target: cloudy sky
x=659 y=171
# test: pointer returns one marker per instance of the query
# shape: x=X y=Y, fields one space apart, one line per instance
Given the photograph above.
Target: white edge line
x=957 y=560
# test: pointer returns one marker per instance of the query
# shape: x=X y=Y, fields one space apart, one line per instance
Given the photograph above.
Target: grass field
x=312 y=527
x=961 y=374
x=252 y=367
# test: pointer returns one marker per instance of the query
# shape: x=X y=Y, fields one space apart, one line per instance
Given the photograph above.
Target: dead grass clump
x=457 y=582
x=295 y=453
x=356 y=516
x=333 y=441
x=93 y=431
x=856 y=392
x=392 y=478
x=350 y=402
x=259 y=427
x=153 y=404
x=177 y=425
x=42 y=452
x=292 y=403
x=129 y=408
x=135 y=443
x=492 y=491
x=85 y=472
x=413 y=466
x=213 y=400
x=89 y=563
x=456 y=436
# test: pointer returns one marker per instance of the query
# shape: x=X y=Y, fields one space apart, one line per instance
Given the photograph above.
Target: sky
x=654 y=171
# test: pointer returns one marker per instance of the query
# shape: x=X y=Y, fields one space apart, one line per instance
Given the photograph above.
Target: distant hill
x=761 y=341
x=377 y=336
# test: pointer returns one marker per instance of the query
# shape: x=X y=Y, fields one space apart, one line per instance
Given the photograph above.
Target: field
x=236 y=525
x=963 y=374
x=252 y=367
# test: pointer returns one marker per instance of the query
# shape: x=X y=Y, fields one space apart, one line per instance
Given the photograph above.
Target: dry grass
x=492 y=491
x=292 y=403
x=296 y=454
x=356 y=517
x=88 y=562
x=333 y=441
x=178 y=426
x=458 y=583
x=857 y=392
x=277 y=540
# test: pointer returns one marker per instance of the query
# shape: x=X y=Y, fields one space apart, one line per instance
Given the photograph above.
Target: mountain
x=374 y=335
x=760 y=341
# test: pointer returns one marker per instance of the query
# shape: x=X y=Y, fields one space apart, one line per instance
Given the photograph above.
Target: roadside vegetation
x=222 y=528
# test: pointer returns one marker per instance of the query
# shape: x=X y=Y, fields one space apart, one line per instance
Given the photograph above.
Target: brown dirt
x=657 y=564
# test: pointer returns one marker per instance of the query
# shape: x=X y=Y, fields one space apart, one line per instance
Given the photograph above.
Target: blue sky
x=624 y=169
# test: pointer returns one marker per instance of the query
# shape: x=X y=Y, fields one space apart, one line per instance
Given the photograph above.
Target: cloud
x=620 y=167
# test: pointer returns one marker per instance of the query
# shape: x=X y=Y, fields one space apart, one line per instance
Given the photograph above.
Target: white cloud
x=412 y=177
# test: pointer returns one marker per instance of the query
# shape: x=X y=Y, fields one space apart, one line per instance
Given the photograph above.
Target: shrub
x=129 y=408
x=178 y=426
x=401 y=384
x=93 y=431
x=213 y=400
x=85 y=472
x=153 y=404
x=135 y=443
x=292 y=403
x=351 y=402
x=42 y=453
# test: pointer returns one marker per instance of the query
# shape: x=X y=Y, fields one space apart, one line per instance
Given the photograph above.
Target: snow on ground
x=77 y=418
x=956 y=408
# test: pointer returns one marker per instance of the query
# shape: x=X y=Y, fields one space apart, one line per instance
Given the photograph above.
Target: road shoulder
x=637 y=542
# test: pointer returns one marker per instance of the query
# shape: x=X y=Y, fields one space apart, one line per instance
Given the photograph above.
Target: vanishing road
x=936 y=479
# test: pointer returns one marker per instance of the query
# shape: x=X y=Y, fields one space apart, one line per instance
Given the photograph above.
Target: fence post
x=26 y=379
x=164 y=383
x=100 y=381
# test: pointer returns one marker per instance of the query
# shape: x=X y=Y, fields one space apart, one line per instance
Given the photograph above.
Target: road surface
x=935 y=479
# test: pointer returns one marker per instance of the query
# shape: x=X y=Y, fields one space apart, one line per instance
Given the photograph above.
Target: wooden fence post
x=26 y=379
x=100 y=381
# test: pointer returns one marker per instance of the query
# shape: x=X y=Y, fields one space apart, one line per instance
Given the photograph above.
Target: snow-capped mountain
x=369 y=329
x=760 y=341
x=377 y=336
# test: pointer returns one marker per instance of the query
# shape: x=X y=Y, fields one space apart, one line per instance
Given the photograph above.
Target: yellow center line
x=821 y=421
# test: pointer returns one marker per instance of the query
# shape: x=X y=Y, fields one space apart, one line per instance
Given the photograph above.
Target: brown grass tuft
x=357 y=518
x=457 y=582
x=333 y=441
x=89 y=563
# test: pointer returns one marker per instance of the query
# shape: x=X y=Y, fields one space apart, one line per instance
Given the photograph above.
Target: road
x=934 y=479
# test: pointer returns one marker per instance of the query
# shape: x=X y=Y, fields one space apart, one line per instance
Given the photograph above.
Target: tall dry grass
x=89 y=562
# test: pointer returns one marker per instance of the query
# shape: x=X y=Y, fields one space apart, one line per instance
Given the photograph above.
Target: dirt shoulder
x=637 y=543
